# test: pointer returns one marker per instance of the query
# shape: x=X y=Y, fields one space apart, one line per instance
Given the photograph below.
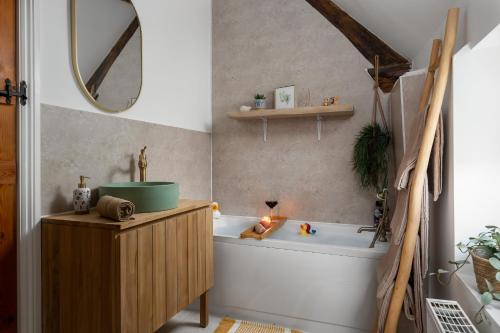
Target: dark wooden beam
x=388 y=75
x=367 y=43
x=100 y=73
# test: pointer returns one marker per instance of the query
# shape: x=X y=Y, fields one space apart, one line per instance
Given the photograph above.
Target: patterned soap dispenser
x=81 y=197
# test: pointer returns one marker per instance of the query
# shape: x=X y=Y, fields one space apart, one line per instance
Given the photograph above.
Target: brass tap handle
x=143 y=164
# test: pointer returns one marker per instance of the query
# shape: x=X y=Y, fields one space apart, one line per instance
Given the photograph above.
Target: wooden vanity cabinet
x=101 y=276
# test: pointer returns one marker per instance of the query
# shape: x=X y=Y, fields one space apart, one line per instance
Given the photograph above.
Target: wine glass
x=271 y=204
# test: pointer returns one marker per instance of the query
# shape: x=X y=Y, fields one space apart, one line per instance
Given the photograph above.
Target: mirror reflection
x=107 y=40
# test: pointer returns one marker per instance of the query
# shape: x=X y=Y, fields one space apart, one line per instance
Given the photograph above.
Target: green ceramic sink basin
x=147 y=196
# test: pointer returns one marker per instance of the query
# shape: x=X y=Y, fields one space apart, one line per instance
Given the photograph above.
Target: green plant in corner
x=260 y=96
x=485 y=246
x=370 y=157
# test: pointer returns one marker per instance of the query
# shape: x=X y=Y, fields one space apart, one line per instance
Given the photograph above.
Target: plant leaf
x=486 y=298
x=491 y=227
x=497 y=255
x=495 y=263
x=498 y=276
x=490 y=286
x=496 y=296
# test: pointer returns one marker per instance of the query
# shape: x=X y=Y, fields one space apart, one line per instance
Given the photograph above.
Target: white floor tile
x=188 y=321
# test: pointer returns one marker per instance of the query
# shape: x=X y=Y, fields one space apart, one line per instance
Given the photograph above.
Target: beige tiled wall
x=106 y=148
x=269 y=44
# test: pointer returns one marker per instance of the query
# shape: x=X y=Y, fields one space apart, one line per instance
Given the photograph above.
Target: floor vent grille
x=447 y=317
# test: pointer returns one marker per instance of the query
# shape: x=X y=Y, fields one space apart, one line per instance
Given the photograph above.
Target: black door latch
x=10 y=92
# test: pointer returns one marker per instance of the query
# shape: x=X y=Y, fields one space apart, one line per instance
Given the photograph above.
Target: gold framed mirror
x=106 y=50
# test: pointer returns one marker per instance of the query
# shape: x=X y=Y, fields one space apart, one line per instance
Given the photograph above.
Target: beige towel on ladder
x=388 y=268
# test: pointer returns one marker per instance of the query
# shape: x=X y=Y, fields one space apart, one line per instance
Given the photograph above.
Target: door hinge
x=10 y=92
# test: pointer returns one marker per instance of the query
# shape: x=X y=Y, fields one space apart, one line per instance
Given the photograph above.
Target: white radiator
x=447 y=317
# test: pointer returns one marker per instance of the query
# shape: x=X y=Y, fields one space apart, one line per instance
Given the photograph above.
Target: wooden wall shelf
x=338 y=111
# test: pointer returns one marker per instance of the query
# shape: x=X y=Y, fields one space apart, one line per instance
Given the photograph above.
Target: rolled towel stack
x=115 y=208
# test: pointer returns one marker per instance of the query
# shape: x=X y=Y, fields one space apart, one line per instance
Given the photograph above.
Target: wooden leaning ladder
x=443 y=62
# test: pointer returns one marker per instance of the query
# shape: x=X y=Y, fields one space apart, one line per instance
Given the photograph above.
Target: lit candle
x=266 y=222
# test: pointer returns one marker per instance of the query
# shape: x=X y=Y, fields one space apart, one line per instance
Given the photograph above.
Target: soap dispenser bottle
x=81 y=197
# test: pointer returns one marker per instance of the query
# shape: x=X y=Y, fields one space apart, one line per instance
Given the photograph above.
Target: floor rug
x=228 y=325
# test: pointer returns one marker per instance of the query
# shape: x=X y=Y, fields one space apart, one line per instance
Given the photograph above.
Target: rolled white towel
x=259 y=228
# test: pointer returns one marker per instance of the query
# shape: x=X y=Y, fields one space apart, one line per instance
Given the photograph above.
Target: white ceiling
x=405 y=25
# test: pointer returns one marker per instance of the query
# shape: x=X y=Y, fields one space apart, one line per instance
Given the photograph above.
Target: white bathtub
x=320 y=283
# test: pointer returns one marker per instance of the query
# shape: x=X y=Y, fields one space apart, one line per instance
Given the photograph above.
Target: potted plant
x=260 y=101
x=485 y=252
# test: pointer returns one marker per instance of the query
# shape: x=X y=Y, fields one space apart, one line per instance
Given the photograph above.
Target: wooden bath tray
x=277 y=222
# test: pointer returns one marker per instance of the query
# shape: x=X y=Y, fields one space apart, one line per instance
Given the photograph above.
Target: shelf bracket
x=264 y=129
x=318 y=126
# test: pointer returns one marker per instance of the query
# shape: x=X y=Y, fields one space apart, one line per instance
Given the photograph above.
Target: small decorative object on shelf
x=245 y=108
x=307 y=101
x=331 y=100
x=284 y=97
x=260 y=101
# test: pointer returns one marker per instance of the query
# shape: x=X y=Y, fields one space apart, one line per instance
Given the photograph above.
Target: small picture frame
x=284 y=97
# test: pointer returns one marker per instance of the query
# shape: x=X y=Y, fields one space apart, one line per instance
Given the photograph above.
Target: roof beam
x=367 y=43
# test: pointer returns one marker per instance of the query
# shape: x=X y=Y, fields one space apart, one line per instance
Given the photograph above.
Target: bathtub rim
x=350 y=251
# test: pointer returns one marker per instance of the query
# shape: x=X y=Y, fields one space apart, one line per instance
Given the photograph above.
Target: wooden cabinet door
x=148 y=276
x=194 y=256
x=163 y=268
x=136 y=277
x=164 y=271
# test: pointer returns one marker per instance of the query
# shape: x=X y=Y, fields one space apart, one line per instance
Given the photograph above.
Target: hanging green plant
x=370 y=157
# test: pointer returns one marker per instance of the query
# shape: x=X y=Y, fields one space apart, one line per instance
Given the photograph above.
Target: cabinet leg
x=204 y=310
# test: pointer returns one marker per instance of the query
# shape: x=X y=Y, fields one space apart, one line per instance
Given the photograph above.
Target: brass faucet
x=366 y=228
x=382 y=228
x=143 y=164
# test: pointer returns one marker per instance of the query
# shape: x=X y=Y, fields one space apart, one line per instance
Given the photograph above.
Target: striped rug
x=228 y=325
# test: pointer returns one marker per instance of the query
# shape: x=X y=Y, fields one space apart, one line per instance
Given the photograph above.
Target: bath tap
x=380 y=232
x=143 y=164
x=365 y=228
x=381 y=229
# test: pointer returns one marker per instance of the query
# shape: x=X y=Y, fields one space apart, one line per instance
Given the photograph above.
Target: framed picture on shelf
x=284 y=98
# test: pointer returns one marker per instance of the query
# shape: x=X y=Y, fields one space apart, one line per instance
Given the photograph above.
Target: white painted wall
x=477 y=19
x=473 y=140
x=176 y=58
x=405 y=25
x=476 y=139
